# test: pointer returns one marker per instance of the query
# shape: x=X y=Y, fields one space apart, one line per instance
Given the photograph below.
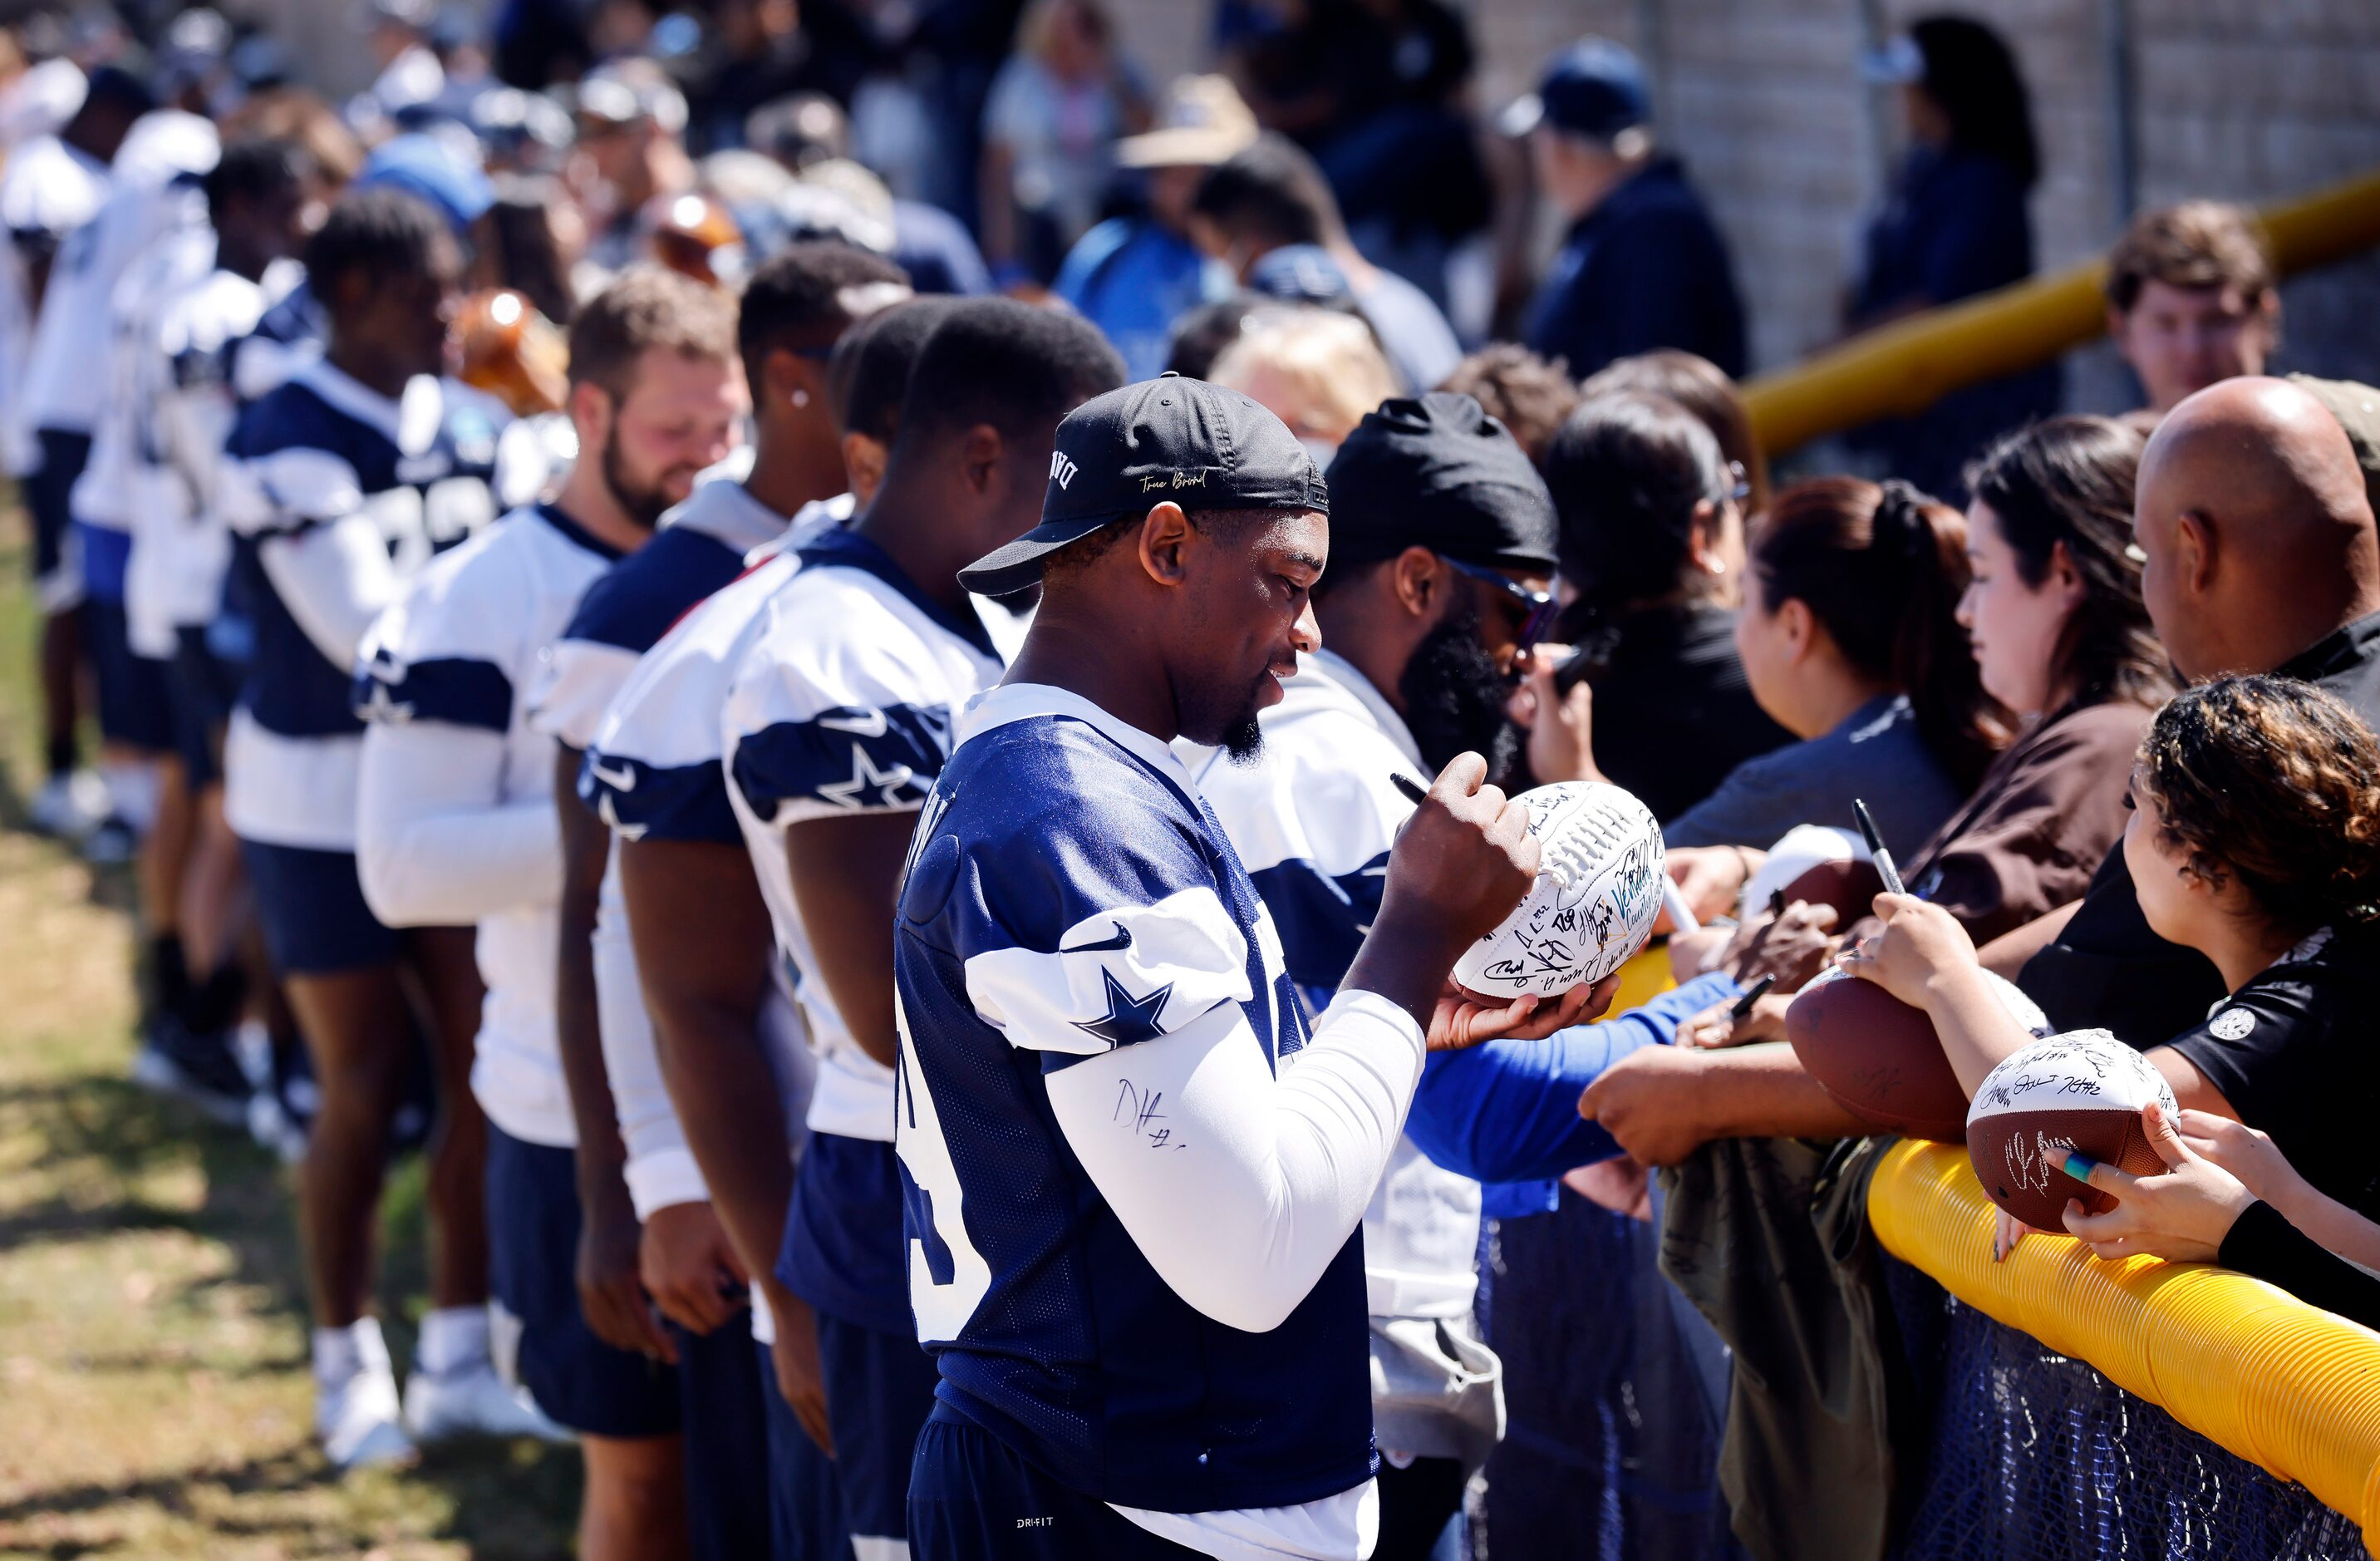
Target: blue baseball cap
x=422 y=164
x=1594 y=88
x=1301 y=273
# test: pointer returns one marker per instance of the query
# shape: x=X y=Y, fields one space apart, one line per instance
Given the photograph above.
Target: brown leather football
x=2083 y=1091
x=1878 y=1058
x=1849 y=886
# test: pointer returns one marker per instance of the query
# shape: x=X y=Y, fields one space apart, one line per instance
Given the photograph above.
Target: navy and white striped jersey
x=325 y=461
x=844 y=704
x=701 y=546
x=1071 y=900
x=656 y=770
x=457 y=804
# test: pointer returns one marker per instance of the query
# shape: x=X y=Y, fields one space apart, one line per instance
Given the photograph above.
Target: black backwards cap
x=1118 y=454
x=1436 y=472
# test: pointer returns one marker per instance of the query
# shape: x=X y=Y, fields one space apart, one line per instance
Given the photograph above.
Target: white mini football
x=1597 y=894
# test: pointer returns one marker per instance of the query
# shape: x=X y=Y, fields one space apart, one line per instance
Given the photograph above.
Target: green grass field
x=154 y=1395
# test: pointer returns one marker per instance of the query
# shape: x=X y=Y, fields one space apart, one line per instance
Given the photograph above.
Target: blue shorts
x=311 y=906
x=726 y=1441
x=136 y=695
x=58 y=577
x=205 y=688
x=805 y=1508
x=532 y=1272
x=879 y=1388
x=972 y=1497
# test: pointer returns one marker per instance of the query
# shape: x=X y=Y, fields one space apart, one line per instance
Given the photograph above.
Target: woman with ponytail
x=1850 y=636
x=2054 y=633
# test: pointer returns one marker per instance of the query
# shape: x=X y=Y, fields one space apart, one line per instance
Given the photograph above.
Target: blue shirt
x=1063 y=855
x=1646 y=268
x=1133 y=278
x=1874 y=753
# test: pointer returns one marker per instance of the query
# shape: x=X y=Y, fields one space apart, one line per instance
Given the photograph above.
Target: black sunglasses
x=1537 y=607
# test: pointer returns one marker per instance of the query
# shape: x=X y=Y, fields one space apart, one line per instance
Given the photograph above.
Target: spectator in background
x=1056 y=110
x=1317 y=371
x=1200 y=336
x=2191 y=299
x=1132 y=275
x=1703 y=388
x=1272 y=196
x=1641 y=265
x=1953 y=224
x=809 y=129
x=632 y=130
x=1652 y=570
x=530 y=239
x=1849 y=639
x=1519 y=389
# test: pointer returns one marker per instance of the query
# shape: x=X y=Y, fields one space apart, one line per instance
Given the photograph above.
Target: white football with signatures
x=1597 y=894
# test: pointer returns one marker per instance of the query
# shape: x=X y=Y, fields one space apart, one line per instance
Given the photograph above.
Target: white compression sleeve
x=1237 y=1186
x=435 y=846
x=334 y=579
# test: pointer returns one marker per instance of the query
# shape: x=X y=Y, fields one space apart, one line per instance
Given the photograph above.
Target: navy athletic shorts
x=311 y=906
x=880 y=1387
x=726 y=1441
x=583 y=1383
x=136 y=694
x=805 y=1508
x=972 y=1497
x=57 y=576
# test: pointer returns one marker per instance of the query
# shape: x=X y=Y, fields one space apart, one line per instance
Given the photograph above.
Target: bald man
x=2260 y=551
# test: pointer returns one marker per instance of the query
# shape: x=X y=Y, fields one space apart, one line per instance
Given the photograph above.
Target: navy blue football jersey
x=1070 y=894
x=320 y=449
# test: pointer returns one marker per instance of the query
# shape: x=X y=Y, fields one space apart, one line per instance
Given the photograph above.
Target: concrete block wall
x=2247 y=99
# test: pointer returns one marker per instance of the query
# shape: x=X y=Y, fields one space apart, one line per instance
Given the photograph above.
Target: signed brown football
x=2082 y=1090
x=1879 y=1059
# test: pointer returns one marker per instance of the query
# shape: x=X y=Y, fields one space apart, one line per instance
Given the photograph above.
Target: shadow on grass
x=103 y=1141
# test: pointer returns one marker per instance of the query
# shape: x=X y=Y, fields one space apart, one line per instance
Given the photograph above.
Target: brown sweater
x=2041 y=820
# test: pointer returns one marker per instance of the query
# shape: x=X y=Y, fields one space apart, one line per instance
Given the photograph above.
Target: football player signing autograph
x=1133 y=1176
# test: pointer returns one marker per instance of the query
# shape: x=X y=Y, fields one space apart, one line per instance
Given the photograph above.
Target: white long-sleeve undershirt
x=436 y=844
x=334 y=579
x=1262 y=1177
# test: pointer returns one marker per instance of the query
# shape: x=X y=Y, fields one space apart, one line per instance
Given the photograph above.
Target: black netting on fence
x=2032 y=1457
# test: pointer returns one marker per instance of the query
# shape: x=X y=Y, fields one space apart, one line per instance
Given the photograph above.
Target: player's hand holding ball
x=1460 y=864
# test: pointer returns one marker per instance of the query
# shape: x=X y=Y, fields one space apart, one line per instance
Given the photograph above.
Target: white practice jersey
x=701 y=546
x=456 y=818
x=1313 y=820
x=47 y=190
x=62 y=388
x=843 y=703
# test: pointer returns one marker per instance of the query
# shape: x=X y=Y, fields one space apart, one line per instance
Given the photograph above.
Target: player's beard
x=1454 y=696
x=644 y=506
x=1208 y=715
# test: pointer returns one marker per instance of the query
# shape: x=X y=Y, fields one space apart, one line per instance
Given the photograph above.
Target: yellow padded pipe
x=1907 y=366
x=2290 y=1389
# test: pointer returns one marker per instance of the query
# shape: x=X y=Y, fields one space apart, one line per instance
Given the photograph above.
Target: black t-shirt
x=2294 y=1053
x=2108 y=970
x=1673 y=712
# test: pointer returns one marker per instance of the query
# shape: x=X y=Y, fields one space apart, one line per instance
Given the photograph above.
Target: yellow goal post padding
x=2285 y=1386
x=1905 y=367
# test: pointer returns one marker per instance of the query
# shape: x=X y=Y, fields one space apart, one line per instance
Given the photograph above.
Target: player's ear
x=1165 y=537
x=2194 y=550
x=980 y=452
x=590 y=413
x=1419 y=580
x=863 y=464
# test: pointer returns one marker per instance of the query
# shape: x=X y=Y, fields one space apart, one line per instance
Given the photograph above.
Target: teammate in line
x=342 y=484
x=837 y=718
x=1134 y=1176
x=1441 y=558
x=652 y=1228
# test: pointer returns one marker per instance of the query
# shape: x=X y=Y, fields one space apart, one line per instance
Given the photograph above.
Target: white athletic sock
x=342 y=1354
x=131 y=793
x=452 y=1339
